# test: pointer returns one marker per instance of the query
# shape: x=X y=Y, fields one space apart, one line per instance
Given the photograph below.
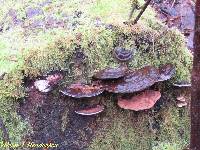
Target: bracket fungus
x=82 y=90
x=142 y=101
x=47 y=83
x=91 y=110
x=43 y=85
x=166 y=72
x=182 y=84
x=122 y=54
x=111 y=73
x=134 y=81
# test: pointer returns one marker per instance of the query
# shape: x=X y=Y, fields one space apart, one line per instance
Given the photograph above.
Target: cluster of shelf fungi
x=121 y=81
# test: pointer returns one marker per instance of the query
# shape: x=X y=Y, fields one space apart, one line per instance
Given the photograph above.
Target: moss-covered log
x=95 y=29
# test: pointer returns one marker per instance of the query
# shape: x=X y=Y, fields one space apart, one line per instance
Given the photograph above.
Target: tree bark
x=195 y=102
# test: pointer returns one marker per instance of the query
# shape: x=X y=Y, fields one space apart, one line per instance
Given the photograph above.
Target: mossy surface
x=165 y=127
x=30 y=52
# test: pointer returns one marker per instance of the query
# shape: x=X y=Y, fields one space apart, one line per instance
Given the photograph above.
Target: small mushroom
x=43 y=85
x=166 y=72
x=82 y=90
x=182 y=84
x=142 y=101
x=181 y=104
x=122 y=54
x=111 y=73
x=137 y=80
x=91 y=110
x=181 y=101
x=181 y=98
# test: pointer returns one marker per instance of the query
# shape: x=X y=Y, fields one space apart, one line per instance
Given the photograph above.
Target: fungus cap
x=142 y=101
x=181 y=104
x=111 y=73
x=82 y=90
x=122 y=54
x=181 y=99
x=92 y=110
x=137 y=80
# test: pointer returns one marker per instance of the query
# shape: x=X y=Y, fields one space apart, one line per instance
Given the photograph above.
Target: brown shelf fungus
x=122 y=54
x=91 y=110
x=82 y=90
x=142 y=101
x=134 y=81
x=111 y=73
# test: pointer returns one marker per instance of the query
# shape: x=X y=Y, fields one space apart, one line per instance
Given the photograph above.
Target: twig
x=142 y=11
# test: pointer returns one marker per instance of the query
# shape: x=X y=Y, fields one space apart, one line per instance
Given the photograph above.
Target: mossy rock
x=41 y=50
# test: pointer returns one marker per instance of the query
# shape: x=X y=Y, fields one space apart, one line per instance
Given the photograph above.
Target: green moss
x=175 y=128
x=167 y=129
x=150 y=48
x=16 y=126
x=122 y=129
